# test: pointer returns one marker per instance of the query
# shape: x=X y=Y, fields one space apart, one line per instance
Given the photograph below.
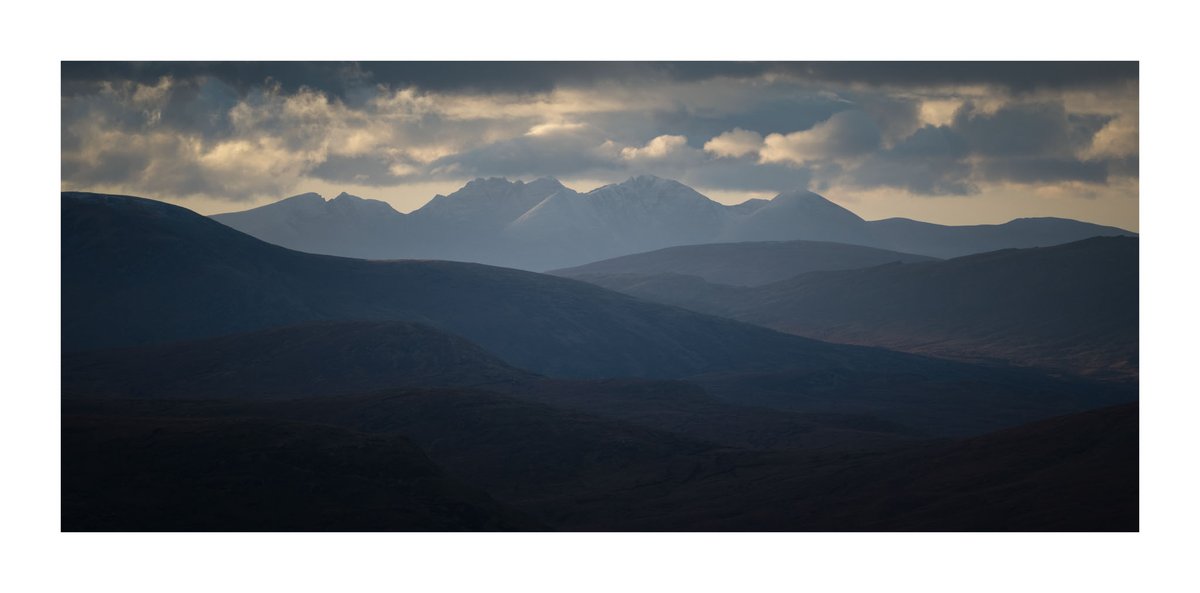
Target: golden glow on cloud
x=555 y=128
x=939 y=112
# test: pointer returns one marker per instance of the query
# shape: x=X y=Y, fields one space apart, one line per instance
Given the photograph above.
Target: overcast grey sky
x=955 y=143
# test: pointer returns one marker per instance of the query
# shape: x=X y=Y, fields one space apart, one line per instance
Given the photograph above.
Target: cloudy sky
x=954 y=142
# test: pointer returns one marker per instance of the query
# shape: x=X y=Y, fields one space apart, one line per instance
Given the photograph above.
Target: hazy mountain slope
x=743 y=264
x=543 y=225
x=1073 y=306
x=645 y=212
x=681 y=290
x=797 y=215
x=141 y=272
x=486 y=204
x=319 y=358
x=139 y=473
x=472 y=223
x=943 y=241
x=346 y=225
x=463 y=226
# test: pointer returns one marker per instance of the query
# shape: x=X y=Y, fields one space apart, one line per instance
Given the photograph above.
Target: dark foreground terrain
x=215 y=382
x=343 y=465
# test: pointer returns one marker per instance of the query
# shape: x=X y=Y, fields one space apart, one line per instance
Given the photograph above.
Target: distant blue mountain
x=544 y=225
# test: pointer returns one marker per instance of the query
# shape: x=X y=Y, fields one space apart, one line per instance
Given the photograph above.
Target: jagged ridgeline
x=543 y=225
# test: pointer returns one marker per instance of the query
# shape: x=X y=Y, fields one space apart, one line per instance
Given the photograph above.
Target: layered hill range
x=1070 y=307
x=158 y=299
x=214 y=381
x=543 y=225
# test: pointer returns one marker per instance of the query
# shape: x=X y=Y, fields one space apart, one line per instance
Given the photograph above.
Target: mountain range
x=543 y=225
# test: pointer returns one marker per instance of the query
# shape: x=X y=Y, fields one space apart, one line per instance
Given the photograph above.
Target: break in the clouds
x=243 y=132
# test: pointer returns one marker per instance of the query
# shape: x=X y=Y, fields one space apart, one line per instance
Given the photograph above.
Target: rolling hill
x=743 y=264
x=316 y=358
x=1070 y=307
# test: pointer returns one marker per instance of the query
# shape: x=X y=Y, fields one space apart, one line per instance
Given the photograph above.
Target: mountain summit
x=542 y=224
x=346 y=225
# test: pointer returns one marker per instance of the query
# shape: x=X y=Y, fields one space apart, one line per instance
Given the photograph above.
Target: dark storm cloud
x=340 y=78
x=894 y=117
x=1015 y=76
x=200 y=106
x=1082 y=129
x=564 y=153
x=932 y=161
x=932 y=142
x=1043 y=170
x=852 y=133
x=931 y=177
x=1022 y=129
x=747 y=175
x=118 y=165
x=1124 y=167
x=1021 y=143
x=332 y=77
x=774 y=115
x=367 y=170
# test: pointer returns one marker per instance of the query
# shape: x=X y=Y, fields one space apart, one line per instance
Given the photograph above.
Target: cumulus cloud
x=1118 y=138
x=848 y=133
x=735 y=143
x=660 y=147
